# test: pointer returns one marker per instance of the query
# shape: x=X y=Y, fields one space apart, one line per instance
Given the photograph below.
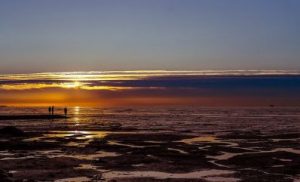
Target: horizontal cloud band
x=210 y=87
x=151 y=79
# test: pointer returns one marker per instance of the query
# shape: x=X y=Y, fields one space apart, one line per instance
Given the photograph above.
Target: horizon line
x=204 y=72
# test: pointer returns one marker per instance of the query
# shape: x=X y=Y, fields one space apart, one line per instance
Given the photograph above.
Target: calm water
x=174 y=119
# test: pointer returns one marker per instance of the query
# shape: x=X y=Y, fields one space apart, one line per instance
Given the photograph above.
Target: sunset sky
x=134 y=88
x=114 y=52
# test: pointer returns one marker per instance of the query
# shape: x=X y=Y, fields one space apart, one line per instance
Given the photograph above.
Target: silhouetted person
x=49 y=110
x=66 y=111
x=52 y=110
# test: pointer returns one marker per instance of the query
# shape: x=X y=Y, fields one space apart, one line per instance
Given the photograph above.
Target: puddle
x=33 y=139
x=155 y=142
x=74 y=144
x=5 y=153
x=80 y=135
x=138 y=165
x=191 y=141
x=217 y=164
x=87 y=166
x=227 y=155
x=221 y=179
x=224 y=156
x=12 y=172
x=291 y=150
x=58 y=153
x=125 y=145
x=17 y=158
x=76 y=179
x=93 y=156
x=57 y=135
x=212 y=174
x=280 y=140
x=178 y=150
x=286 y=160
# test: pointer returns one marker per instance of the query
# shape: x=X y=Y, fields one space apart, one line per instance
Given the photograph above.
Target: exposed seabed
x=118 y=153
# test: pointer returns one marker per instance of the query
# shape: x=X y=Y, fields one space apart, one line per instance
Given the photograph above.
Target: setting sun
x=75 y=84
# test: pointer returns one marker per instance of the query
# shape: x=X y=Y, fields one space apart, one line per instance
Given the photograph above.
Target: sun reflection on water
x=76 y=115
x=76 y=110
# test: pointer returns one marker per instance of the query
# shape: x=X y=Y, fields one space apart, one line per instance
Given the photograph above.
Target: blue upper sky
x=79 y=35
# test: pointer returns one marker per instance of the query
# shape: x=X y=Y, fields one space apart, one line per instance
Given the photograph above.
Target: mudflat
x=101 y=149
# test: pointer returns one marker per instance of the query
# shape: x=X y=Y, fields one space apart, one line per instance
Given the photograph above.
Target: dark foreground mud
x=206 y=150
x=149 y=156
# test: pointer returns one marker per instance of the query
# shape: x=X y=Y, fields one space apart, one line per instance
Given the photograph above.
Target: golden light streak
x=76 y=113
x=81 y=80
x=75 y=85
x=137 y=74
x=28 y=86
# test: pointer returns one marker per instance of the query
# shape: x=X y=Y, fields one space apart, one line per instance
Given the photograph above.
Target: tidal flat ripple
x=154 y=144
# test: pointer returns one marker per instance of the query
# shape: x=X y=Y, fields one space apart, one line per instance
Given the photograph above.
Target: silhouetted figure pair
x=51 y=110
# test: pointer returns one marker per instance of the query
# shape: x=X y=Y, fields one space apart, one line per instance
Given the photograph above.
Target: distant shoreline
x=29 y=117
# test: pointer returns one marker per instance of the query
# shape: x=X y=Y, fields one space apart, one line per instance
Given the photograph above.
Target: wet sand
x=120 y=153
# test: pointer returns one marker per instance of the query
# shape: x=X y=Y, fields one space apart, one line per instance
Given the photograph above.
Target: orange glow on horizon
x=132 y=88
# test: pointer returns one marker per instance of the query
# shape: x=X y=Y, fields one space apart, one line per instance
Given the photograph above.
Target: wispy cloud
x=113 y=80
x=208 y=86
